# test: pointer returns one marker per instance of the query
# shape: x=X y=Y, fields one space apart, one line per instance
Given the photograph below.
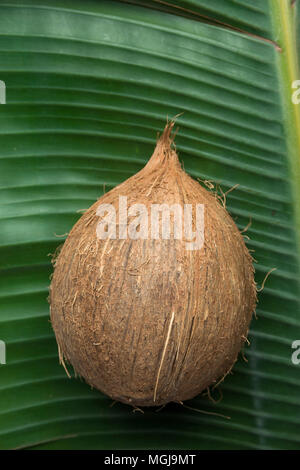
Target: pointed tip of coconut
x=164 y=152
x=167 y=138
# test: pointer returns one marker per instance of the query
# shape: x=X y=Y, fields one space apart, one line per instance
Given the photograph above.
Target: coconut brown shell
x=148 y=321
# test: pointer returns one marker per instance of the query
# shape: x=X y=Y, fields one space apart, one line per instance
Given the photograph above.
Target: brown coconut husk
x=147 y=321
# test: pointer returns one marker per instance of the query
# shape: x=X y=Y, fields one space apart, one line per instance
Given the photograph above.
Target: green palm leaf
x=89 y=85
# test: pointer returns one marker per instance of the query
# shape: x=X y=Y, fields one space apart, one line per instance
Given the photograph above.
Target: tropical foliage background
x=89 y=85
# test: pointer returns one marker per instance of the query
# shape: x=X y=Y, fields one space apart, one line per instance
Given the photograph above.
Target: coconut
x=153 y=290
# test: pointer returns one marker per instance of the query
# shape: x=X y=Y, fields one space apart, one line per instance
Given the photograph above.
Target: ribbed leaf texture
x=89 y=85
x=249 y=17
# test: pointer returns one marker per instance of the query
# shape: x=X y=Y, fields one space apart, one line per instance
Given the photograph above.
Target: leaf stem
x=283 y=17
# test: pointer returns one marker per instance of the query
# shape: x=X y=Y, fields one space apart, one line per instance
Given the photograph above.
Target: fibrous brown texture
x=148 y=321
